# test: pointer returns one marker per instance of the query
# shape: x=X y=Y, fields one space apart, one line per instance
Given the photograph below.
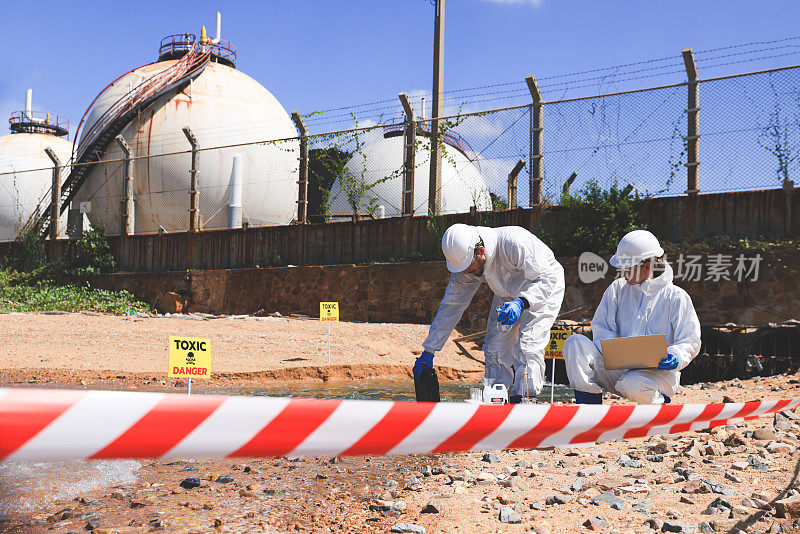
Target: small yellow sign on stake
x=189 y=357
x=555 y=351
x=329 y=313
x=556 y=347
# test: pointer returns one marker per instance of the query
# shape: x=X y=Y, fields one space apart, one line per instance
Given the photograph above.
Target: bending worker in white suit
x=528 y=287
x=636 y=304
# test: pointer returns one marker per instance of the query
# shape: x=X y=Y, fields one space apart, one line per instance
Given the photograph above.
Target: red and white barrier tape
x=58 y=424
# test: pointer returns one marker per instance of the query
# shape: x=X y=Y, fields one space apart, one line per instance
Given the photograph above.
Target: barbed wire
x=618 y=70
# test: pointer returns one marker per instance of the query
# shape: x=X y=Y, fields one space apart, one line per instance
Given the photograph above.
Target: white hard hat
x=634 y=248
x=458 y=245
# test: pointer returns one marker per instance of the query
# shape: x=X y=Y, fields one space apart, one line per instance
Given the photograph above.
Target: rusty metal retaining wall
x=769 y=213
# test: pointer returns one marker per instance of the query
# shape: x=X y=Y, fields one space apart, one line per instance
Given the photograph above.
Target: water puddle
x=29 y=486
x=393 y=390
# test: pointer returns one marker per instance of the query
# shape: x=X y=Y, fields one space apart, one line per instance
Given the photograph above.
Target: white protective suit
x=517 y=264
x=656 y=306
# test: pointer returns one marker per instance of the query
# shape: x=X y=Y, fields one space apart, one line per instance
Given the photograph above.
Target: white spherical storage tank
x=26 y=176
x=381 y=162
x=222 y=107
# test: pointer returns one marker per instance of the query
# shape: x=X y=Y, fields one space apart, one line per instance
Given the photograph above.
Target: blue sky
x=356 y=56
x=316 y=55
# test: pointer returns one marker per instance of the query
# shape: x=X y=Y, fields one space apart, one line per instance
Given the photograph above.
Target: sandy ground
x=245 y=351
x=660 y=483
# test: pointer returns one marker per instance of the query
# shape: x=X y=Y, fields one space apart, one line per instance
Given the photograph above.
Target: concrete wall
x=768 y=213
x=410 y=292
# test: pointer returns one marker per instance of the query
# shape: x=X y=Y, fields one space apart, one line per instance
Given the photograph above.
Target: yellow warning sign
x=329 y=312
x=189 y=357
x=556 y=347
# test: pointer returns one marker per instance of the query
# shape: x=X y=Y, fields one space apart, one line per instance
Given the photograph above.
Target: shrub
x=32 y=255
x=91 y=254
x=596 y=221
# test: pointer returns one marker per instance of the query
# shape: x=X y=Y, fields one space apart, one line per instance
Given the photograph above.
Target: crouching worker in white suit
x=636 y=304
x=528 y=287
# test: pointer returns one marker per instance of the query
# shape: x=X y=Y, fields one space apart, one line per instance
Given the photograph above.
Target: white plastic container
x=496 y=394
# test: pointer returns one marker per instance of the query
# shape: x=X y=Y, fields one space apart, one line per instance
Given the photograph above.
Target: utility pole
x=435 y=182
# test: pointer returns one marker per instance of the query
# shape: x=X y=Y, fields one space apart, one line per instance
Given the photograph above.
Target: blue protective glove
x=424 y=359
x=509 y=312
x=668 y=362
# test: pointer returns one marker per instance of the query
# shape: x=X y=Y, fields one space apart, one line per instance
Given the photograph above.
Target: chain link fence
x=634 y=138
x=749 y=138
x=750 y=131
x=242 y=185
x=356 y=173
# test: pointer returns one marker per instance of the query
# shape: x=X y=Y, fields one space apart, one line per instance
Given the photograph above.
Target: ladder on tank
x=97 y=137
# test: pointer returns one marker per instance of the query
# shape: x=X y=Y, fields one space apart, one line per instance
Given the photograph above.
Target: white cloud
x=535 y=3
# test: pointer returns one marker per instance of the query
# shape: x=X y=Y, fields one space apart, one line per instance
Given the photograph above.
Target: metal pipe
x=29 y=104
x=235 y=194
x=218 y=35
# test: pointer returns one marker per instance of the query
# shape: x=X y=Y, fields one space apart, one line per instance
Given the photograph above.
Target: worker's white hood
x=654 y=285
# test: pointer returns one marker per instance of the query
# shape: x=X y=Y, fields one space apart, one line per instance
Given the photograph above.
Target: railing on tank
x=189 y=63
x=178 y=45
x=38 y=122
x=95 y=138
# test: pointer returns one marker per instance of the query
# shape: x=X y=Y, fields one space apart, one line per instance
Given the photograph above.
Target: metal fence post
x=55 y=199
x=127 y=189
x=193 y=209
x=692 y=135
x=512 y=184
x=568 y=183
x=302 y=194
x=409 y=156
x=535 y=168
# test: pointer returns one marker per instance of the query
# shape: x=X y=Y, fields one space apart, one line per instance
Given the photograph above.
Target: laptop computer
x=636 y=352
